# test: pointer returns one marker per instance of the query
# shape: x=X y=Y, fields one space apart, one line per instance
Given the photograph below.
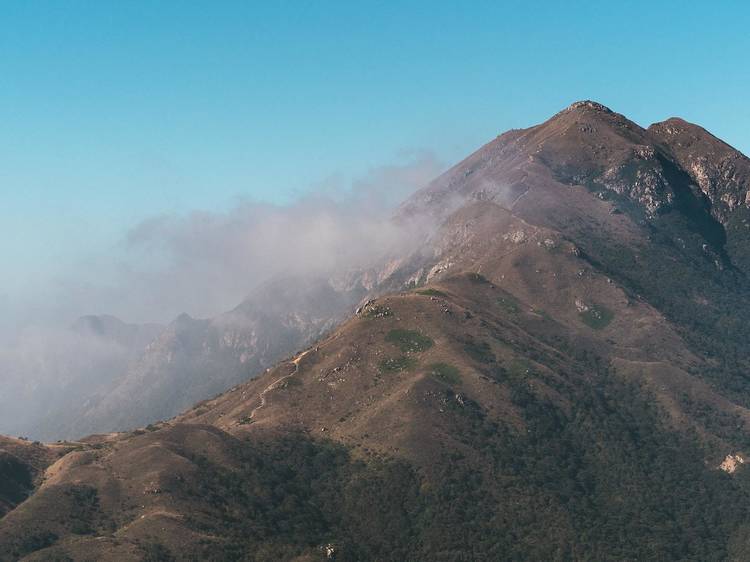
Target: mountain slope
x=194 y=359
x=538 y=388
x=21 y=466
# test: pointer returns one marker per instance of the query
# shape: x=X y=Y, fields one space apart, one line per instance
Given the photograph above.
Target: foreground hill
x=560 y=376
x=22 y=465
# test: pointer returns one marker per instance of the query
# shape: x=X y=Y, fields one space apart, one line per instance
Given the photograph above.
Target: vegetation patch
x=445 y=372
x=519 y=368
x=156 y=552
x=287 y=496
x=479 y=351
x=541 y=312
x=477 y=278
x=84 y=509
x=509 y=304
x=430 y=292
x=597 y=317
x=35 y=541
x=291 y=382
x=16 y=480
x=397 y=364
x=409 y=341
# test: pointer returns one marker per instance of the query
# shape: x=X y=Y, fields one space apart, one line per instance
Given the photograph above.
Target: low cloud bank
x=202 y=263
x=205 y=262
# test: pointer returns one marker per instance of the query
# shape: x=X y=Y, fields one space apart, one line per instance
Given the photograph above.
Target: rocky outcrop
x=720 y=171
x=731 y=463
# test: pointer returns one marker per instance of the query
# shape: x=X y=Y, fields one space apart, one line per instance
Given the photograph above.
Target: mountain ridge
x=533 y=382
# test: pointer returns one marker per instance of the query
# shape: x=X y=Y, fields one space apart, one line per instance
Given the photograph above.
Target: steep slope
x=539 y=388
x=197 y=358
x=649 y=227
x=721 y=172
x=21 y=465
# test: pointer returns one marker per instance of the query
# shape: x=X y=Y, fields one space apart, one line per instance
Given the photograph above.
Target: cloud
x=45 y=368
x=202 y=263
x=205 y=262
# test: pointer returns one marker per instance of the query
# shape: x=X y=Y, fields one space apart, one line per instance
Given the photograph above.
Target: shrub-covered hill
x=558 y=374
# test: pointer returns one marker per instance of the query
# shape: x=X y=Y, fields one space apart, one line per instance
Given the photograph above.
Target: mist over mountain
x=56 y=370
x=555 y=369
x=66 y=381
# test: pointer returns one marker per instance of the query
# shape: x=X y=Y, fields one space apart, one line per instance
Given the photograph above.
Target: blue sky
x=111 y=112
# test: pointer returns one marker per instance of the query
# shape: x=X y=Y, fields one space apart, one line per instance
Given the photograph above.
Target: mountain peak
x=588 y=105
x=97 y=323
x=587 y=110
x=583 y=112
x=678 y=126
x=721 y=171
x=183 y=318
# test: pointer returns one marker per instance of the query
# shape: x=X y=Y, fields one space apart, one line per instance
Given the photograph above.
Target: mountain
x=133 y=337
x=559 y=372
x=127 y=375
x=49 y=375
x=193 y=359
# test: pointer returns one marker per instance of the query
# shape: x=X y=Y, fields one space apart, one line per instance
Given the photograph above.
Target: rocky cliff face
x=721 y=172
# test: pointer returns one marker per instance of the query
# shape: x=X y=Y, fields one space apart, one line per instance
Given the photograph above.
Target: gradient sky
x=114 y=111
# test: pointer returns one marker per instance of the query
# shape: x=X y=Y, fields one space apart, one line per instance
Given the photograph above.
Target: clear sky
x=113 y=111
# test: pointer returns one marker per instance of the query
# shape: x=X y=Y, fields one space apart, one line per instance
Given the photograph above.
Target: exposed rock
x=517 y=236
x=731 y=463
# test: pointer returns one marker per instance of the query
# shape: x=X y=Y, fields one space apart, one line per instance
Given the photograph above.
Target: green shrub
x=397 y=364
x=541 y=312
x=519 y=368
x=479 y=351
x=291 y=382
x=445 y=372
x=509 y=304
x=430 y=292
x=156 y=552
x=477 y=278
x=409 y=341
x=597 y=317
